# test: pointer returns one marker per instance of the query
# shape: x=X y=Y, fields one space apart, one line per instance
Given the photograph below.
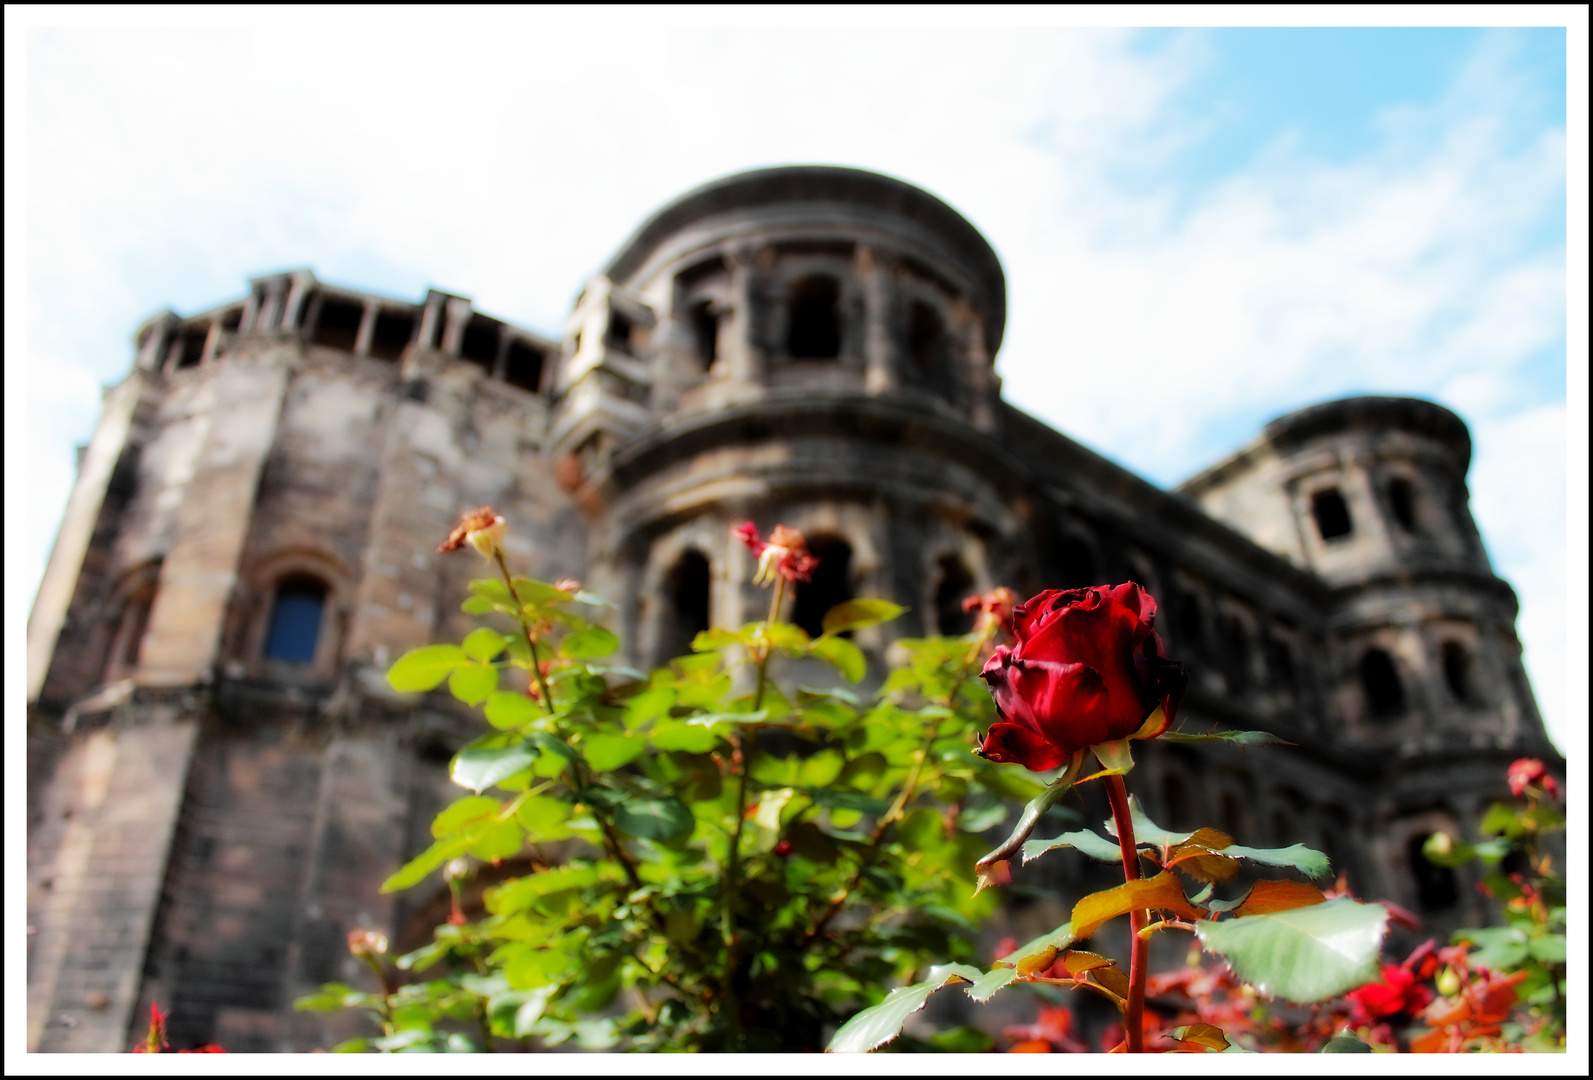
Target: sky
x=1202 y=228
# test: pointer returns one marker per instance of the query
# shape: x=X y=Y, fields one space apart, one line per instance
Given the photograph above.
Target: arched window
x=1385 y=694
x=1280 y=661
x=956 y=584
x=296 y=620
x=815 y=332
x=1078 y=564
x=1435 y=885
x=1332 y=514
x=831 y=584
x=926 y=344
x=1402 y=500
x=1457 y=672
x=686 y=596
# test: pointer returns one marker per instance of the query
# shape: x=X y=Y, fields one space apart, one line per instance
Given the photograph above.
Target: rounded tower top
x=1371 y=414
x=826 y=195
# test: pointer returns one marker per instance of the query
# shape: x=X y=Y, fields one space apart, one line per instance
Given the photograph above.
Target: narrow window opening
x=193 y=347
x=232 y=320
x=1402 y=500
x=1280 y=661
x=1457 y=672
x=296 y=620
x=392 y=334
x=1236 y=651
x=831 y=584
x=1331 y=513
x=926 y=344
x=956 y=584
x=687 y=594
x=705 y=333
x=1079 y=569
x=815 y=319
x=619 y=331
x=1435 y=885
x=523 y=367
x=479 y=344
x=1191 y=619
x=338 y=325
x=137 y=623
x=1385 y=695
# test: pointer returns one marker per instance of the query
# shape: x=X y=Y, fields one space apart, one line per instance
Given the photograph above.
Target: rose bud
x=1085 y=667
x=367 y=943
x=483 y=529
x=1527 y=773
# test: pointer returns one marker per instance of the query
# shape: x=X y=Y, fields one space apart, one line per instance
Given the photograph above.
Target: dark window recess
x=1457 y=672
x=1280 y=661
x=338 y=325
x=1235 y=651
x=1235 y=818
x=391 y=335
x=1402 y=500
x=193 y=349
x=956 y=584
x=137 y=622
x=1191 y=619
x=523 y=367
x=1385 y=694
x=831 y=584
x=1331 y=513
x=296 y=621
x=1078 y=565
x=926 y=344
x=232 y=320
x=1435 y=885
x=815 y=320
x=480 y=342
x=619 y=331
x=705 y=333
x=686 y=592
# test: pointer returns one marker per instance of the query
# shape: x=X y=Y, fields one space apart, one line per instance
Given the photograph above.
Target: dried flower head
x=995 y=605
x=785 y=553
x=482 y=529
x=367 y=943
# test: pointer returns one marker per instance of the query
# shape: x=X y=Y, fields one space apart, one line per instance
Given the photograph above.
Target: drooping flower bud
x=784 y=554
x=365 y=944
x=482 y=528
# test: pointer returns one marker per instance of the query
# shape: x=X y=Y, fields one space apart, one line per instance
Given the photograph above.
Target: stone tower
x=220 y=778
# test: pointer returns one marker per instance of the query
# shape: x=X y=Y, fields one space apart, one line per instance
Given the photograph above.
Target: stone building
x=219 y=777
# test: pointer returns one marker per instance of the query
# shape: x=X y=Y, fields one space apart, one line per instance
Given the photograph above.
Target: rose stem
x=1134 y=1011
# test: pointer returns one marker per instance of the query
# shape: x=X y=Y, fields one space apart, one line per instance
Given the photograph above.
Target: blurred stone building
x=219 y=777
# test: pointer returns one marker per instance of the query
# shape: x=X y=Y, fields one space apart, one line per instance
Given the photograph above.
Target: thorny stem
x=1134 y=1010
x=738 y=764
x=530 y=638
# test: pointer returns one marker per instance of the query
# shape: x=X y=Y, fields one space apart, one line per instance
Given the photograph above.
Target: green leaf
x=479 y=767
x=484 y=644
x=847 y=658
x=472 y=810
x=415 y=870
x=690 y=738
x=1033 y=812
x=877 y=1026
x=986 y=985
x=543 y=818
x=424 y=668
x=507 y=710
x=1346 y=1044
x=662 y=819
x=605 y=752
x=961 y=1040
x=1309 y=862
x=539 y=593
x=472 y=684
x=1305 y=954
x=519 y=1010
x=357 y=1045
x=855 y=614
x=588 y=642
x=647 y=706
x=1500 y=948
x=1548 y=949
x=1096 y=847
x=1237 y=738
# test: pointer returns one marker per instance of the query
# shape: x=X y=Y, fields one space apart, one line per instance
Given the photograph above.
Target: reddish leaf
x=1078 y=962
x=1270 y=896
x=1162 y=892
x=1038 y=962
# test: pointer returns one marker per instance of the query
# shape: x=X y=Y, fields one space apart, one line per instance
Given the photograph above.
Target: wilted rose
x=1085 y=667
x=1527 y=773
x=994 y=606
x=785 y=553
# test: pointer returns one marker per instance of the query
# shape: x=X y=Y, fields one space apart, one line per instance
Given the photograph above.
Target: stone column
x=297 y=291
x=457 y=315
x=746 y=359
x=880 y=354
x=431 y=317
x=367 y=330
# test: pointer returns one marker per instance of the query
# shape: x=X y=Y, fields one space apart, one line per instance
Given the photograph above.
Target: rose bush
x=1086 y=667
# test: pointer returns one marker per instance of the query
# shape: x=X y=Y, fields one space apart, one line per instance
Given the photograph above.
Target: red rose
x=1399 y=992
x=1529 y=772
x=1086 y=667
